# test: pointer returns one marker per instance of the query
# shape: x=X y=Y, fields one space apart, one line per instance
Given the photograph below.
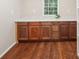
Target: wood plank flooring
x=43 y=50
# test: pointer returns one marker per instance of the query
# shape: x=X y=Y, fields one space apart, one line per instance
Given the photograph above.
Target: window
x=51 y=7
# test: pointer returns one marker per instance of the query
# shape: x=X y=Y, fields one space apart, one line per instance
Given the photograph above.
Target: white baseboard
x=7 y=50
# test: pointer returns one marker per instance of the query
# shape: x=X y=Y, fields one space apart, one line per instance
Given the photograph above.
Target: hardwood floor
x=43 y=50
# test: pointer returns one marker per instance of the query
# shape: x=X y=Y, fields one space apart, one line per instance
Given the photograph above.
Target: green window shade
x=50 y=7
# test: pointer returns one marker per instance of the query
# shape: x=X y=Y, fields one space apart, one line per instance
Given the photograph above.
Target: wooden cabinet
x=60 y=30
x=64 y=30
x=34 y=31
x=55 y=30
x=72 y=30
x=46 y=30
x=22 y=31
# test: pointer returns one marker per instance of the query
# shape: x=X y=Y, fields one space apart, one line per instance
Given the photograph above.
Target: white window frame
x=47 y=15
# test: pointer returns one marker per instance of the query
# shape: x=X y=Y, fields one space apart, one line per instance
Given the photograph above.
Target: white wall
x=78 y=31
x=78 y=39
x=34 y=9
x=77 y=3
x=78 y=27
x=9 y=10
x=68 y=9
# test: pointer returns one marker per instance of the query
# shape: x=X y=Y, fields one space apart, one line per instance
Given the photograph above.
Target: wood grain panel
x=43 y=50
x=46 y=23
x=55 y=35
x=55 y=30
x=46 y=32
x=34 y=23
x=22 y=23
x=38 y=51
x=34 y=32
x=22 y=32
x=64 y=30
x=73 y=30
x=46 y=51
x=59 y=30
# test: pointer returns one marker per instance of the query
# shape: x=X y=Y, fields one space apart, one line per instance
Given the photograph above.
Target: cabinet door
x=22 y=32
x=34 y=32
x=55 y=30
x=72 y=30
x=64 y=30
x=45 y=32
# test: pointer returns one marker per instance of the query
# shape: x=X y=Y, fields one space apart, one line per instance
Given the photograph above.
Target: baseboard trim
x=7 y=50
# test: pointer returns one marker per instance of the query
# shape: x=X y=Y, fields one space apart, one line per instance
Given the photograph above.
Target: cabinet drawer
x=73 y=22
x=34 y=23
x=46 y=23
x=64 y=23
x=22 y=23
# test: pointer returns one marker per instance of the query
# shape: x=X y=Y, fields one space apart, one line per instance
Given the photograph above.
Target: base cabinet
x=34 y=32
x=55 y=30
x=72 y=30
x=60 y=30
x=22 y=31
x=46 y=30
x=64 y=30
